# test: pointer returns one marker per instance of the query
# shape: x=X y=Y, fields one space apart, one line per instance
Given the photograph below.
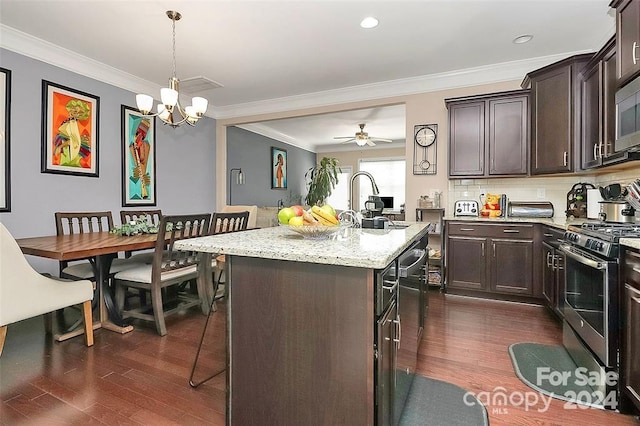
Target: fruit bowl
x=317 y=231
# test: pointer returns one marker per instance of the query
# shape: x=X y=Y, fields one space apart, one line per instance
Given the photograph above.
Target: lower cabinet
x=552 y=271
x=630 y=353
x=386 y=359
x=488 y=258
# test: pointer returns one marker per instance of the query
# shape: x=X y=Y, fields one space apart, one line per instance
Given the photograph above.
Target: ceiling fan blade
x=381 y=139
x=349 y=141
x=370 y=142
x=343 y=137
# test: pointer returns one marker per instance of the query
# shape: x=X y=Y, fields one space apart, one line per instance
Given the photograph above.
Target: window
x=340 y=195
x=389 y=174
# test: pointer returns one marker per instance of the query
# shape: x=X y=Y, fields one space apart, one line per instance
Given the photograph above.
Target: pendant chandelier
x=170 y=111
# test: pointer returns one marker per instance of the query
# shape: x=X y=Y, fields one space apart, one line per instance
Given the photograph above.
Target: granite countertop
x=362 y=248
x=557 y=222
x=631 y=242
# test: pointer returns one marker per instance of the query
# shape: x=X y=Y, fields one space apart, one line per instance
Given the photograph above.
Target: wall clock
x=425 y=137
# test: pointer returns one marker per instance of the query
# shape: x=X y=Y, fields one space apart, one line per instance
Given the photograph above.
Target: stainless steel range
x=591 y=264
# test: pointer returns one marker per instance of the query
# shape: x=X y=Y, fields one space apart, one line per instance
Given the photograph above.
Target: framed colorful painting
x=278 y=168
x=5 y=163
x=138 y=158
x=70 y=127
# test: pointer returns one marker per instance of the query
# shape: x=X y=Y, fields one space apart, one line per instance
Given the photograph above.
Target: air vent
x=195 y=85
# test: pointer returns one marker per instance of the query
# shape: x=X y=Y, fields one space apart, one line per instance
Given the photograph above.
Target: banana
x=309 y=219
x=324 y=217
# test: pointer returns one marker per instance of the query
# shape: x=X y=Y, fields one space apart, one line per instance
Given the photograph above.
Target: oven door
x=590 y=301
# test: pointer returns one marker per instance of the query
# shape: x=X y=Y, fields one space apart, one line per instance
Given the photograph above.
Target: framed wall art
x=278 y=168
x=138 y=158
x=70 y=127
x=5 y=163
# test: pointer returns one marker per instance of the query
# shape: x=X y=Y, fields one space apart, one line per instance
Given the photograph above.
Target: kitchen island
x=304 y=324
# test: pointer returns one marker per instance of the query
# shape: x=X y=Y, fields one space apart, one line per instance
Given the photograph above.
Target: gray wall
x=252 y=153
x=185 y=158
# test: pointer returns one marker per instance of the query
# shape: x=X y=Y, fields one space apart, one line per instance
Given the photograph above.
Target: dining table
x=103 y=247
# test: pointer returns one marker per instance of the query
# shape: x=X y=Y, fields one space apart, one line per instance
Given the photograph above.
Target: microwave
x=628 y=117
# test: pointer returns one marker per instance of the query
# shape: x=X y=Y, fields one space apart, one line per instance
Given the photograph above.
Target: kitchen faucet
x=374 y=187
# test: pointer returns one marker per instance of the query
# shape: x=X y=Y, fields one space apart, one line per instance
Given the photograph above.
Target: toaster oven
x=466 y=208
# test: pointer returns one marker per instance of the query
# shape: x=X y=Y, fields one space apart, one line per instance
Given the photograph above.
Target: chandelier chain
x=173 y=21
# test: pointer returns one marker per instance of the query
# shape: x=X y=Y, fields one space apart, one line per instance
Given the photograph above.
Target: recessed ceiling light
x=522 y=39
x=369 y=22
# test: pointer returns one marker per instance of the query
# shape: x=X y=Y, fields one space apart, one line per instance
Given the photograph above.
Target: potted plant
x=323 y=177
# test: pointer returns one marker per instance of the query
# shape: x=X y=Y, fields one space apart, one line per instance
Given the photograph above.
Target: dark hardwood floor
x=141 y=378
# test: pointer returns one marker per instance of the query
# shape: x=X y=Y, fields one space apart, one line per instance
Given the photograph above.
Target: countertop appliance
x=628 y=117
x=577 y=200
x=530 y=209
x=591 y=262
x=466 y=208
x=616 y=211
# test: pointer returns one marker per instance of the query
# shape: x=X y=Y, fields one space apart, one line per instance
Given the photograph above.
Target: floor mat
x=436 y=403
x=549 y=369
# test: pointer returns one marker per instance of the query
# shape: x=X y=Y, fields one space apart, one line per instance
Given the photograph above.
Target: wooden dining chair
x=24 y=293
x=221 y=223
x=68 y=223
x=152 y=217
x=170 y=268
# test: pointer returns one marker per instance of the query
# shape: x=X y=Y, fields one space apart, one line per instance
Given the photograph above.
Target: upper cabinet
x=628 y=35
x=598 y=85
x=488 y=134
x=555 y=117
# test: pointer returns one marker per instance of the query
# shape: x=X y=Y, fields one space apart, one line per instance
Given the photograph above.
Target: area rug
x=435 y=403
x=550 y=370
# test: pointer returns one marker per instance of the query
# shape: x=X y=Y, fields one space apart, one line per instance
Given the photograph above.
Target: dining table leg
x=109 y=316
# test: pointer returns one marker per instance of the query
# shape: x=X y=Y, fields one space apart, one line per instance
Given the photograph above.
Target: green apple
x=327 y=208
x=285 y=214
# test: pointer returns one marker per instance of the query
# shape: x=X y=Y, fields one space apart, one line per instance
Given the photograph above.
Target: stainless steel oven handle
x=577 y=257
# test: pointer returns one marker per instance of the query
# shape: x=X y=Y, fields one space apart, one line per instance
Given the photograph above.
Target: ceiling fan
x=362 y=138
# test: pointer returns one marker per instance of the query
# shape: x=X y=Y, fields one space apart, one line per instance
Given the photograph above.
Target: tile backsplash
x=552 y=189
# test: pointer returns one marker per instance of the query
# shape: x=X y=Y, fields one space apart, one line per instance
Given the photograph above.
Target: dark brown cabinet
x=628 y=35
x=489 y=134
x=493 y=259
x=630 y=353
x=552 y=271
x=555 y=118
x=598 y=85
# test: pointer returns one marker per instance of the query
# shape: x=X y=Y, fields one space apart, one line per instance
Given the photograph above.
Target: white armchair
x=24 y=293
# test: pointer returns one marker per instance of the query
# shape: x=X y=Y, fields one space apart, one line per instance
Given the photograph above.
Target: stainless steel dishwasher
x=412 y=305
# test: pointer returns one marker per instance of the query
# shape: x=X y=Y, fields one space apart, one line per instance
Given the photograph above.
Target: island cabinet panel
x=302 y=344
x=630 y=353
x=493 y=260
x=555 y=117
x=552 y=275
x=489 y=134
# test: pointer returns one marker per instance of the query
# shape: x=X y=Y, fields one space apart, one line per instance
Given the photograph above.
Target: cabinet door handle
x=482 y=245
x=467 y=229
x=633 y=52
x=494 y=249
x=548 y=235
x=549 y=261
x=601 y=149
x=565 y=158
x=636 y=270
x=510 y=231
x=595 y=151
x=635 y=299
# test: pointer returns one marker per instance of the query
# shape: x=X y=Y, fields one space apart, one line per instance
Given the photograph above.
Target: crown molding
x=270 y=133
x=33 y=47
x=494 y=73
